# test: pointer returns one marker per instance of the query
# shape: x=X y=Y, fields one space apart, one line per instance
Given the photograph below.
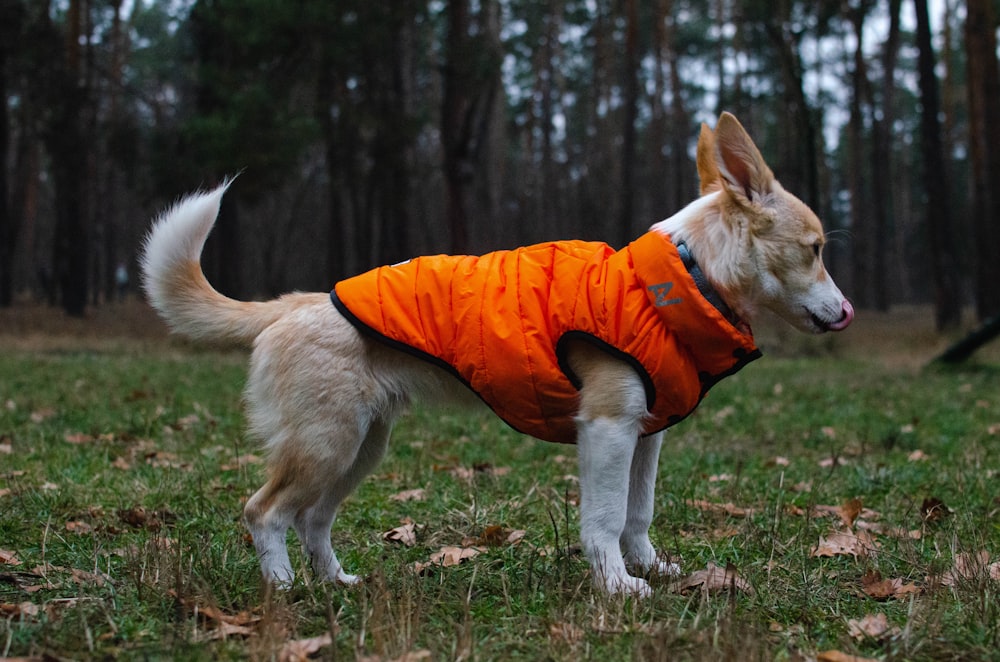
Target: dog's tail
x=177 y=287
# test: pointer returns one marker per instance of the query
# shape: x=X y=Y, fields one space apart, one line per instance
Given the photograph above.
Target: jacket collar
x=705 y=287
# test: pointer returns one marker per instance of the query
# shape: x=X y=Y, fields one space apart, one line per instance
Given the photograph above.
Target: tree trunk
x=882 y=193
x=8 y=227
x=458 y=169
x=68 y=150
x=631 y=102
x=862 y=250
x=938 y=219
x=984 y=146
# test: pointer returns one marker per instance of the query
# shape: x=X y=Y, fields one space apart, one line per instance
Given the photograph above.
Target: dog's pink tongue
x=844 y=321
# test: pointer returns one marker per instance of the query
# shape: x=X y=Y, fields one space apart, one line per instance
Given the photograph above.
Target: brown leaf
x=497 y=536
x=837 y=656
x=79 y=438
x=81 y=528
x=448 y=556
x=121 y=463
x=968 y=567
x=241 y=461
x=418 y=494
x=405 y=533
x=845 y=544
x=299 y=650
x=727 y=508
x=880 y=589
x=9 y=558
x=872 y=626
x=934 y=510
x=918 y=456
x=566 y=632
x=713 y=578
x=19 y=610
x=850 y=511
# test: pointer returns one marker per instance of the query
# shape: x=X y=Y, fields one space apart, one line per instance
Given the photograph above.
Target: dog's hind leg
x=312 y=524
x=639 y=551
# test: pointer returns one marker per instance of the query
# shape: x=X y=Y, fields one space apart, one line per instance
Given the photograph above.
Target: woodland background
x=367 y=132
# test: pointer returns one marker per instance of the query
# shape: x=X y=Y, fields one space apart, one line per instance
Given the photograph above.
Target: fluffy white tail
x=177 y=287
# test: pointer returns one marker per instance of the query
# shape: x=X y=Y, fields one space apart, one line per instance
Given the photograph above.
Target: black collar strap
x=704 y=286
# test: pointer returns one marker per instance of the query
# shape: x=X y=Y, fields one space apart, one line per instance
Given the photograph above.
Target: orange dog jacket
x=499 y=323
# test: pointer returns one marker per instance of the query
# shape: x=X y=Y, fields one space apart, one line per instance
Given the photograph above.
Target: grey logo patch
x=660 y=291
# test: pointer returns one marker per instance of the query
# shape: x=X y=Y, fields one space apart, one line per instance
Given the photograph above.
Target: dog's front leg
x=640 y=554
x=606 y=447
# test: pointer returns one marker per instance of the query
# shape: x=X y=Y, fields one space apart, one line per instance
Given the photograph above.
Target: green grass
x=129 y=539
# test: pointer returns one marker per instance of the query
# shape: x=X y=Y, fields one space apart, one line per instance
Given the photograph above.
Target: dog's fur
x=323 y=397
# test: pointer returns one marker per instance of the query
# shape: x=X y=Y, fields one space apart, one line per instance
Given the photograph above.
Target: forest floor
x=835 y=498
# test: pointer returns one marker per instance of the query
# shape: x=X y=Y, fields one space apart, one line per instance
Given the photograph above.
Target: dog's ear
x=741 y=168
x=708 y=171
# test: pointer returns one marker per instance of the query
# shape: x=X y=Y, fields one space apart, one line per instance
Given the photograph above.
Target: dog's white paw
x=625 y=585
x=347 y=579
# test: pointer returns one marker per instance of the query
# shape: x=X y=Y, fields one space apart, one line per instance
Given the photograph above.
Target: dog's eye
x=817 y=247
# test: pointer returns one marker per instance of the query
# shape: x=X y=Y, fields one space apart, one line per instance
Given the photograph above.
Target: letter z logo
x=660 y=291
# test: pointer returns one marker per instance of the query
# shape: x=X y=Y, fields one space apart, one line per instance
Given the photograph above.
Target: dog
x=610 y=347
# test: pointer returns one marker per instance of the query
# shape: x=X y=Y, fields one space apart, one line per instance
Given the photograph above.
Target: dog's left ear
x=708 y=171
x=744 y=174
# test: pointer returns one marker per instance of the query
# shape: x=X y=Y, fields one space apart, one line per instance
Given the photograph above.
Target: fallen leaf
x=848 y=512
x=448 y=556
x=9 y=558
x=713 y=578
x=79 y=438
x=121 y=463
x=42 y=415
x=872 y=626
x=19 y=610
x=497 y=536
x=300 y=650
x=880 y=589
x=79 y=527
x=845 y=544
x=833 y=461
x=718 y=478
x=405 y=533
x=934 y=510
x=968 y=567
x=418 y=494
x=727 y=508
x=918 y=456
x=779 y=461
x=6 y=448
x=49 y=487
x=837 y=656
x=566 y=632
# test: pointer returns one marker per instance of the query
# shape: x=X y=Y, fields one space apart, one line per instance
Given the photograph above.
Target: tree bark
x=984 y=146
x=631 y=102
x=938 y=221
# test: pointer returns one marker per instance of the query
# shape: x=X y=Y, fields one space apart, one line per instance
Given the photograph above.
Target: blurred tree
x=11 y=19
x=938 y=219
x=471 y=80
x=984 y=146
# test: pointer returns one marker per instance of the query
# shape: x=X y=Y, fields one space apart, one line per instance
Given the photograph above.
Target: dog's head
x=760 y=245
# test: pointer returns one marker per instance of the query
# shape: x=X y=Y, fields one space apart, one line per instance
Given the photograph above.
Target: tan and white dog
x=323 y=395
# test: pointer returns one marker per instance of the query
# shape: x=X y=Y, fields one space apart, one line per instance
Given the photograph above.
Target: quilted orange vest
x=499 y=323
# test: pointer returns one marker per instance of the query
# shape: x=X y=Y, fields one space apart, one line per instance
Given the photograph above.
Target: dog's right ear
x=708 y=171
x=742 y=170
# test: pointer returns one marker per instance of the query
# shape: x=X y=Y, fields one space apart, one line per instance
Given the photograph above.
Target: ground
x=835 y=497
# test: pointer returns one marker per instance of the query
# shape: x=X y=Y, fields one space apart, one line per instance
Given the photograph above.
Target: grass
x=124 y=465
